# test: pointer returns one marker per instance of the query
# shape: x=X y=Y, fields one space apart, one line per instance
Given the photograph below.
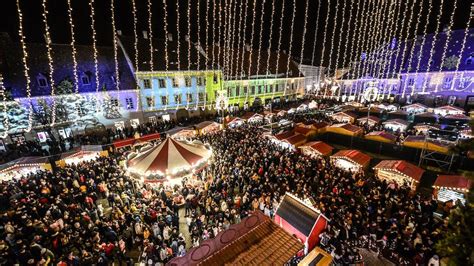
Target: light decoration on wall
x=354 y=57
x=114 y=32
x=165 y=28
x=339 y=42
x=270 y=36
x=262 y=17
x=243 y=29
x=25 y=65
x=405 y=42
x=50 y=61
x=422 y=45
x=433 y=42
x=448 y=39
x=135 y=32
x=313 y=53
x=95 y=53
x=331 y=51
x=324 y=33
x=391 y=36
x=349 y=24
x=290 y=48
x=73 y=48
x=6 y=120
x=399 y=39
x=150 y=33
x=461 y=51
x=178 y=37
x=304 y=34
x=188 y=13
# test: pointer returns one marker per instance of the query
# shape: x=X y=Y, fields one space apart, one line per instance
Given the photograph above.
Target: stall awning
x=131 y=141
x=401 y=167
x=319 y=146
x=381 y=136
x=453 y=182
x=24 y=161
x=371 y=118
x=354 y=156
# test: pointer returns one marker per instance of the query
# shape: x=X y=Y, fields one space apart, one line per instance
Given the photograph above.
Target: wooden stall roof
x=284 y=135
x=449 y=108
x=131 y=141
x=249 y=115
x=204 y=124
x=305 y=130
x=427 y=114
x=420 y=143
x=402 y=167
x=346 y=113
x=24 y=161
x=396 y=121
x=371 y=117
x=381 y=136
x=320 y=146
x=295 y=139
x=317 y=257
x=297 y=214
x=355 y=156
x=256 y=240
x=456 y=182
x=457 y=117
x=320 y=125
x=415 y=105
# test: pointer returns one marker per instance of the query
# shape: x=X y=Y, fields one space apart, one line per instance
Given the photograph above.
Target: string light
x=410 y=21
x=463 y=46
x=6 y=120
x=117 y=77
x=270 y=39
x=135 y=34
x=304 y=33
x=243 y=42
x=374 y=32
x=165 y=28
x=448 y=38
x=50 y=61
x=252 y=36
x=393 y=32
x=189 y=35
x=331 y=51
x=410 y=60
x=279 y=37
x=150 y=29
x=260 y=37
x=207 y=35
x=435 y=37
x=178 y=42
x=425 y=28
x=349 y=24
x=325 y=33
x=385 y=30
x=364 y=39
x=315 y=32
x=219 y=34
x=360 y=23
x=239 y=30
x=232 y=41
x=214 y=43
x=73 y=47
x=95 y=52
x=340 y=33
x=25 y=66
x=400 y=37
x=226 y=22
x=291 y=45
x=198 y=32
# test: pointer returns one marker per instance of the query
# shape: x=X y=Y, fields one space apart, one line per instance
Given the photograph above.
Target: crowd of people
x=94 y=213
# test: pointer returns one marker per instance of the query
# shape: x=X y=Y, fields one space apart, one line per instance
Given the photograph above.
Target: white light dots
x=114 y=33
x=50 y=61
x=73 y=48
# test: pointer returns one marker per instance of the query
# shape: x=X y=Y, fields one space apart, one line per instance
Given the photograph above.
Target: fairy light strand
x=242 y=71
x=150 y=33
x=198 y=32
x=386 y=39
x=448 y=36
x=262 y=17
x=135 y=33
x=214 y=43
x=73 y=48
x=270 y=40
x=165 y=28
x=6 y=120
x=232 y=40
x=95 y=52
x=325 y=33
x=331 y=51
x=463 y=45
x=313 y=53
x=304 y=34
x=178 y=37
x=383 y=29
x=368 y=21
x=206 y=42
x=392 y=35
x=423 y=41
x=50 y=61
x=399 y=40
x=280 y=33
x=338 y=51
x=114 y=31
x=291 y=46
x=433 y=43
x=404 y=52
x=188 y=12
x=349 y=26
x=219 y=34
x=25 y=66
x=251 y=38
x=374 y=33
x=360 y=22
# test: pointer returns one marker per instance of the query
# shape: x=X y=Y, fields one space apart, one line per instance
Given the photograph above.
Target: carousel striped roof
x=168 y=157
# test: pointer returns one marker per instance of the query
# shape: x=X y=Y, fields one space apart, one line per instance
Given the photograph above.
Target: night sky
x=58 y=20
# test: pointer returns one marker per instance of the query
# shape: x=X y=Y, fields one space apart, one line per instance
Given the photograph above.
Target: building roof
x=346 y=113
x=383 y=134
x=450 y=108
x=319 y=125
x=457 y=117
x=297 y=214
x=284 y=135
x=396 y=121
x=255 y=240
x=402 y=167
x=320 y=146
x=12 y=67
x=303 y=129
x=354 y=156
x=351 y=128
x=204 y=124
x=373 y=118
x=455 y=182
x=295 y=139
x=415 y=105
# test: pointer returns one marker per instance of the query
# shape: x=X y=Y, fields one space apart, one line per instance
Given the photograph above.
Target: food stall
x=81 y=154
x=451 y=188
x=345 y=129
x=344 y=117
x=23 y=166
x=381 y=136
x=316 y=149
x=423 y=128
x=207 y=127
x=234 y=121
x=253 y=117
x=415 y=108
x=400 y=172
x=370 y=120
x=388 y=107
x=395 y=125
x=426 y=117
x=448 y=110
x=350 y=160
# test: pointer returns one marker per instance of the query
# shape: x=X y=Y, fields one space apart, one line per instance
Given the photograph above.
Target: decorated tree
x=110 y=108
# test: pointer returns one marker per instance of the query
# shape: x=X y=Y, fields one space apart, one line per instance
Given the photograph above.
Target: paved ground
x=370 y=258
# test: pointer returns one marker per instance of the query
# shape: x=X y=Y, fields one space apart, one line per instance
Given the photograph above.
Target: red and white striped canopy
x=168 y=158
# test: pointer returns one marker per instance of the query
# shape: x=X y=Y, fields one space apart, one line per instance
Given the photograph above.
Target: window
x=114 y=102
x=252 y=91
x=245 y=90
x=79 y=109
x=42 y=82
x=150 y=102
x=463 y=82
x=259 y=89
x=201 y=81
x=216 y=80
x=270 y=88
x=164 y=100
x=85 y=80
x=470 y=59
x=162 y=83
x=447 y=82
x=177 y=98
x=189 y=97
x=237 y=91
x=229 y=92
x=146 y=84
x=175 y=82
x=129 y=103
x=201 y=96
x=187 y=81
x=411 y=81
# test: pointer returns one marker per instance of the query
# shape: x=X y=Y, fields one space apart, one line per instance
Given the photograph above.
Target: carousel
x=170 y=159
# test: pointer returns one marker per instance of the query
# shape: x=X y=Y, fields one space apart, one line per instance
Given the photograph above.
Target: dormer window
x=42 y=81
x=85 y=80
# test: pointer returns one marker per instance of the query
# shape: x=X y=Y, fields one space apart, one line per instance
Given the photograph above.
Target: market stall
x=344 y=117
x=423 y=128
x=131 y=141
x=415 y=108
x=81 y=154
x=168 y=159
x=422 y=142
x=388 y=107
x=395 y=125
x=398 y=114
x=234 y=121
x=23 y=166
x=400 y=172
x=381 y=136
x=459 y=119
x=316 y=149
x=370 y=121
x=426 y=117
x=294 y=141
x=345 y=129
x=350 y=160
x=302 y=108
x=448 y=110
x=317 y=257
x=451 y=188
x=306 y=130
x=183 y=134
x=253 y=117
x=207 y=127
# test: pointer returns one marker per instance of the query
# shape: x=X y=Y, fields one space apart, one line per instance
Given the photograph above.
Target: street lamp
x=370 y=95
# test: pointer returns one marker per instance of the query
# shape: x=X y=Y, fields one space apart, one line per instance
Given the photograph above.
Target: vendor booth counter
x=451 y=188
x=400 y=172
x=81 y=154
x=23 y=166
x=351 y=160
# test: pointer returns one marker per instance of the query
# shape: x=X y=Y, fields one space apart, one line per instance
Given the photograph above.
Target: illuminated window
x=114 y=102
x=201 y=81
x=187 y=81
x=201 y=96
x=146 y=84
x=129 y=103
x=411 y=81
x=150 y=101
x=175 y=82
x=164 y=100
x=162 y=83
x=189 y=97
x=447 y=82
x=177 y=98
x=237 y=91
x=252 y=91
x=216 y=79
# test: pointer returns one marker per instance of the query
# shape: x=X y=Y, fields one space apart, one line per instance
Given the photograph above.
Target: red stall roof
x=402 y=167
x=355 y=156
x=320 y=146
x=452 y=181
